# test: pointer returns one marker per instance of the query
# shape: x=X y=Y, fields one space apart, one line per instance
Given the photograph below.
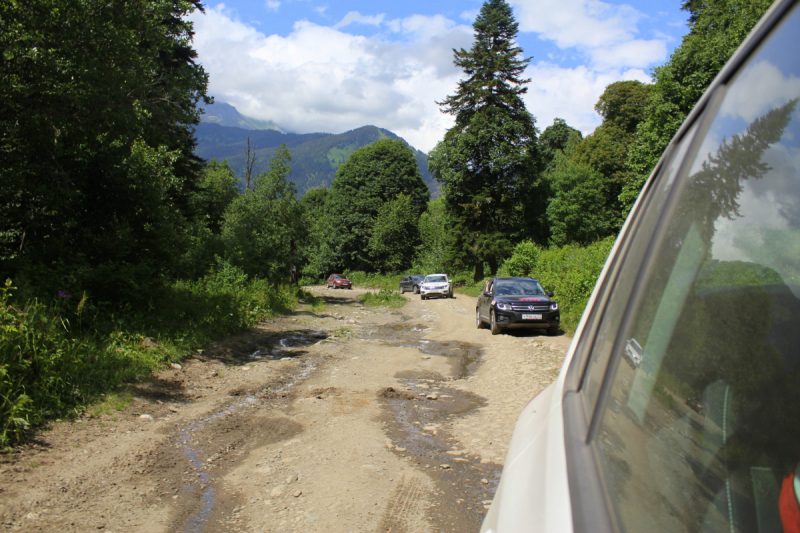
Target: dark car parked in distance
x=338 y=281
x=517 y=303
x=411 y=283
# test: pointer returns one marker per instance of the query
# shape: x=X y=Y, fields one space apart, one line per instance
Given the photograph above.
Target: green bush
x=374 y=280
x=385 y=297
x=57 y=359
x=569 y=271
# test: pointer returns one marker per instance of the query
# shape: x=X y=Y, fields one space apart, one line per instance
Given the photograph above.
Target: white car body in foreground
x=533 y=494
x=691 y=308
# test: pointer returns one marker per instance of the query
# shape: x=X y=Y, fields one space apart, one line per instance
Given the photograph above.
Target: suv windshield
x=435 y=279
x=519 y=287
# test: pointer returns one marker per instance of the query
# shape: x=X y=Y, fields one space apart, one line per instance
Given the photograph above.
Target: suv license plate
x=531 y=317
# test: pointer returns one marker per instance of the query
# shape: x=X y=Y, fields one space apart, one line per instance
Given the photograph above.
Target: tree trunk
x=250 y=160
x=492 y=265
x=478 y=275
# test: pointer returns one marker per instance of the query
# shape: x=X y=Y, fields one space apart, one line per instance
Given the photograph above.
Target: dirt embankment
x=356 y=419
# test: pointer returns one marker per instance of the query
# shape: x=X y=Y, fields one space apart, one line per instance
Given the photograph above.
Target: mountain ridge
x=315 y=156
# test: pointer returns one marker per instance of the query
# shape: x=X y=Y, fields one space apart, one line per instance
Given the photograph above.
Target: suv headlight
x=554 y=306
x=503 y=306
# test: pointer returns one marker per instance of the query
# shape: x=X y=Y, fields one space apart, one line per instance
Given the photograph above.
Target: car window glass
x=702 y=423
x=621 y=290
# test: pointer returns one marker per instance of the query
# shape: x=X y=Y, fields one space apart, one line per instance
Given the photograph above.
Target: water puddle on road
x=418 y=415
x=201 y=488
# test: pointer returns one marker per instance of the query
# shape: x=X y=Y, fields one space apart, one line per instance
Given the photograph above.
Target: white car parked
x=438 y=285
x=697 y=305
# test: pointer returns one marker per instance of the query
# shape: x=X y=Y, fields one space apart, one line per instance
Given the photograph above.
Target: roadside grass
x=465 y=285
x=375 y=281
x=112 y=401
x=317 y=303
x=57 y=359
x=384 y=297
x=343 y=332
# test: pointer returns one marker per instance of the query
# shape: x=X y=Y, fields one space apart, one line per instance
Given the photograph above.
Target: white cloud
x=606 y=33
x=358 y=18
x=584 y=23
x=759 y=89
x=323 y=78
x=636 y=53
x=273 y=5
x=320 y=78
x=570 y=93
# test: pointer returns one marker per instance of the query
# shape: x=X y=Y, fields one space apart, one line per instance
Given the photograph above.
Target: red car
x=338 y=281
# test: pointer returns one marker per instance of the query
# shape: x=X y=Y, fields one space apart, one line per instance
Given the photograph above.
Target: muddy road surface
x=351 y=419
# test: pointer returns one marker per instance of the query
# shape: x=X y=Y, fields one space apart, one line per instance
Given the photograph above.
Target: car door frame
x=592 y=508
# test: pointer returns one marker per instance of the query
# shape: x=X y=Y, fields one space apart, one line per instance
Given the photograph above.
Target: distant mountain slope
x=315 y=156
x=227 y=115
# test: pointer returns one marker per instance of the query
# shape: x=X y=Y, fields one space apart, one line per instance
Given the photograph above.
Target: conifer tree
x=487 y=162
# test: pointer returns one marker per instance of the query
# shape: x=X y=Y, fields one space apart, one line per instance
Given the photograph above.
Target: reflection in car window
x=621 y=291
x=702 y=428
x=519 y=287
x=435 y=279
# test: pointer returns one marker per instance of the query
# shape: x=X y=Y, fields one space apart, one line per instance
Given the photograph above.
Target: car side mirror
x=487 y=293
x=549 y=294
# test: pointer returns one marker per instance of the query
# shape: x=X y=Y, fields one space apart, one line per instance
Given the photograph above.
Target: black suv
x=411 y=283
x=517 y=303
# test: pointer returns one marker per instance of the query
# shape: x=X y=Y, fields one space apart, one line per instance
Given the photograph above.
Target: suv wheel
x=416 y=289
x=552 y=331
x=493 y=323
x=478 y=321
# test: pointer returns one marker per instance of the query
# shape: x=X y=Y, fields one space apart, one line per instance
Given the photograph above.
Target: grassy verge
x=59 y=358
x=384 y=297
x=317 y=303
x=375 y=281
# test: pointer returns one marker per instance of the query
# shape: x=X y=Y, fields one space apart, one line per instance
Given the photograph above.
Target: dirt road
x=354 y=419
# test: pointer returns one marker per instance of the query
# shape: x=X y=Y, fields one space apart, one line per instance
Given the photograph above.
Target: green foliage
x=371 y=177
x=488 y=161
x=262 y=228
x=717 y=28
x=577 y=213
x=623 y=104
x=217 y=190
x=571 y=272
x=431 y=253
x=315 y=256
x=523 y=262
x=554 y=140
x=384 y=298
x=375 y=280
x=56 y=359
x=395 y=235
x=96 y=141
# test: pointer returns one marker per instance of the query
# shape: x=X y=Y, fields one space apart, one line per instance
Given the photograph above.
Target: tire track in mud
x=418 y=417
x=406 y=508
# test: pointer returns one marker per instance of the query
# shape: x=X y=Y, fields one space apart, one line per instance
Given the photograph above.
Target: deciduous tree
x=371 y=177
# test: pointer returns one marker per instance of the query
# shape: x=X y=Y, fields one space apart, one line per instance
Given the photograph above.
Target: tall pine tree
x=487 y=162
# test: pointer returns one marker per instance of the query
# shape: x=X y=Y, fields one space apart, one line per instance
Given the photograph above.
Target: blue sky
x=316 y=65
